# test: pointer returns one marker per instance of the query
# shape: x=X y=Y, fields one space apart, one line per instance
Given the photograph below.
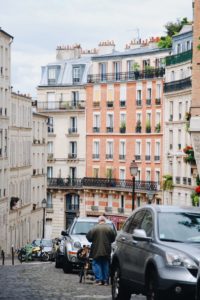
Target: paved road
x=42 y=281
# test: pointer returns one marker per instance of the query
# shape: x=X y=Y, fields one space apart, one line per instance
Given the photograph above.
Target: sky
x=39 y=26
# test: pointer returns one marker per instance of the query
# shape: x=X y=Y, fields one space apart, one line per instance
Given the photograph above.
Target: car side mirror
x=140 y=235
x=64 y=233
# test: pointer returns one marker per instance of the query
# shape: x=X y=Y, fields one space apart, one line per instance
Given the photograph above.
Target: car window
x=147 y=224
x=136 y=221
x=127 y=224
x=82 y=227
x=179 y=227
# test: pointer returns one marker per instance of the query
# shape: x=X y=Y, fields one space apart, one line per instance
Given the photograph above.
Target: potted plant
x=188 y=150
x=158 y=127
x=138 y=126
x=123 y=127
x=148 y=126
x=167 y=182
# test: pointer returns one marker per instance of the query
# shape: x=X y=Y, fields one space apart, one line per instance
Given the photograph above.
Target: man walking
x=101 y=236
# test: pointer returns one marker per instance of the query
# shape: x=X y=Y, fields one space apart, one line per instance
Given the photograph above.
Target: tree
x=172 y=28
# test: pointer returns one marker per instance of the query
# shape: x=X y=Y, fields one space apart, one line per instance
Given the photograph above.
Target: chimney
x=106 y=47
x=68 y=52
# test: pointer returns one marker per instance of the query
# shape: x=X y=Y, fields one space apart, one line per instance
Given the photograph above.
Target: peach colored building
x=124 y=121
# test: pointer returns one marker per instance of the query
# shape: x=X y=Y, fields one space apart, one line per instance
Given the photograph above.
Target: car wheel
x=67 y=268
x=119 y=292
x=151 y=285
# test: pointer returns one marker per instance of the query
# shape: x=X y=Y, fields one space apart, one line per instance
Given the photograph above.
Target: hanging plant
x=190 y=155
x=167 y=182
x=195 y=199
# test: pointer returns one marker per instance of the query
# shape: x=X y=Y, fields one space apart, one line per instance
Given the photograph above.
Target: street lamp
x=133 y=171
x=44 y=205
x=150 y=196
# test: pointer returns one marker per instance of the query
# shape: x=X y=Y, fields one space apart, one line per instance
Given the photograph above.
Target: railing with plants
x=195 y=196
x=189 y=158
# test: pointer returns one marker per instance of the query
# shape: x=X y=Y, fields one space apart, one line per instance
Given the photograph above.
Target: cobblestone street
x=43 y=281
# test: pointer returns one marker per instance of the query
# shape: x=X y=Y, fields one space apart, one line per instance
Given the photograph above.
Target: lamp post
x=44 y=205
x=150 y=196
x=133 y=171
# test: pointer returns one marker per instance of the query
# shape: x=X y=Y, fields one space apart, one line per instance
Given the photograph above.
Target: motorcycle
x=36 y=253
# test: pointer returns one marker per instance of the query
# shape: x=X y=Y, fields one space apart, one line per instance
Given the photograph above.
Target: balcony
x=109 y=156
x=96 y=129
x=138 y=102
x=96 y=104
x=108 y=209
x=122 y=130
x=138 y=129
x=94 y=208
x=137 y=157
x=157 y=157
x=158 y=101
x=60 y=105
x=120 y=210
x=109 y=104
x=72 y=130
x=147 y=157
x=148 y=102
x=50 y=156
x=72 y=155
x=95 y=156
x=177 y=85
x=72 y=207
x=122 y=103
x=184 y=180
x=178 y=58
x=109 y=129
x=92 y=182
x=122 y=156
x=126 y=76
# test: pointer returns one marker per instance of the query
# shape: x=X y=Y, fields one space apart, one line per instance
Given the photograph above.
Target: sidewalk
x=8 y=261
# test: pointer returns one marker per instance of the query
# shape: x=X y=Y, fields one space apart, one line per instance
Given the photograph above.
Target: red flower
x=197 y=190
x=187 y=149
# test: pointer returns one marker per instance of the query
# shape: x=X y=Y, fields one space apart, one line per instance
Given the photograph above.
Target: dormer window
x=76 y=74
x=53 y=72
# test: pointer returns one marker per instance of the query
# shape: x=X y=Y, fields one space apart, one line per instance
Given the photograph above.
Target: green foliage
x=198 y=47
x=167 y=182
x=158 y=127
x=165 y=42
x=172 y=28
x=195 y=199
x=136 y=66
x=123 y=124
x=197 y=180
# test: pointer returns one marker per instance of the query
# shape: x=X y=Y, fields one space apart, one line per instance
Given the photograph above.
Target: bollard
x=12 y=255
x=3 y=256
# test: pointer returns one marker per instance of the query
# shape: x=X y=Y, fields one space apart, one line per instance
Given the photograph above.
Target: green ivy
x=167 y=182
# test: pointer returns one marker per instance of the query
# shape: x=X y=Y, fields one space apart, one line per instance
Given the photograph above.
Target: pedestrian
x=101 y=236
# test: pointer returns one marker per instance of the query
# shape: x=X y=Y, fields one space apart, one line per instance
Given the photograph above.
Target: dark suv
x=157 y=254
x=75 y=238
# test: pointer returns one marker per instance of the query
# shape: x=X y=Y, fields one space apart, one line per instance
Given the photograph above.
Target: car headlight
x=180 y=259
x=77 y=245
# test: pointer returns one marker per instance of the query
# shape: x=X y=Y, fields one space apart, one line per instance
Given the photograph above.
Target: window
x=50 y=124
x=135 y=221
x=50 y=147
x=138 y=148
x=157 y=175
x=171 y=139
x=75 y=98
x=172 y=76
x=157 y=150
x=148 y=150
x=180 y=110
x=109 y=121
x=122 y=149
x=49 y=172
x=72 y=172
x=148 y=175
x=139 y=95
x=73 y=124
x=158 y=90
x=109 y=150
x=117 y=70
x=147 y=224
x=96 y=172
x=179 y=139
x=51 y=100
x=53 y=72
x=96 y=150
x=121 y=201
x=76 y=74
x=102 y=68
x=96 y=122
x=122 y=175
x=149 y=93
x=110 y=200
x=73 y=149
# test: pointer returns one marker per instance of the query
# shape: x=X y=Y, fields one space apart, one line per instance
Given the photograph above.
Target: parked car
x=75 y=238
x=59 y=251
x=198 y=286
x=157 y=254
x=47 y=245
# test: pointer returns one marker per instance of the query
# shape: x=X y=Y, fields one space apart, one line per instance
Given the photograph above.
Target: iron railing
x=179 y=58
x=178 y=85
x=101 y=183
x=60 y=105
x=124 y=76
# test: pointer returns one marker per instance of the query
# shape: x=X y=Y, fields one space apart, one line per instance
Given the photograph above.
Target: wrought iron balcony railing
x=72 y=130
x=177 y=85
x=179 y=58
x=126 y=76
x=60 y=105
x=96 y=129
x=70 y=206
x=95 y=156
x=92 y=182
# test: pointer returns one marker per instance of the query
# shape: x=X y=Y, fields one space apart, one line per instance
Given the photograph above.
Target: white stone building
x=5 y=92
x=177 y=102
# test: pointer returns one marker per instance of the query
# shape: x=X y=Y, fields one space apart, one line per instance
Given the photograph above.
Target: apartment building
x=5 y=92
x=195 y=107
x=124 y=122
x=177 y=103
x=61 y=96
x=39 y=179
